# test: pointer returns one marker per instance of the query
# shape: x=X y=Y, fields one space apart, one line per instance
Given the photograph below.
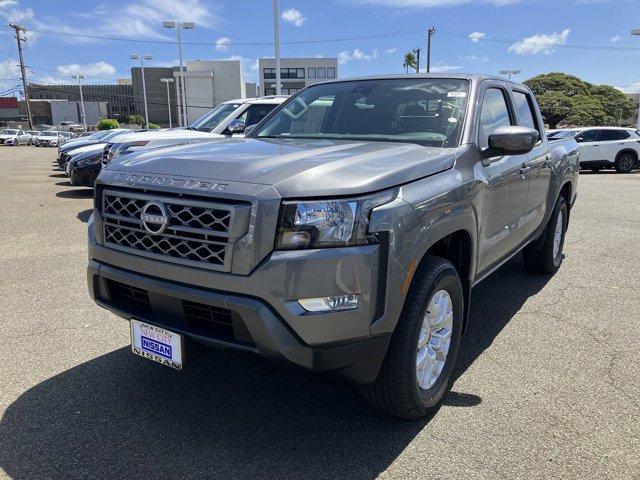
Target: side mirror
x=249 y=129
x=236 y=126
x=511 y=140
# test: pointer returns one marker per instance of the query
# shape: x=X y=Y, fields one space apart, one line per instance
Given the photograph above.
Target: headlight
x=328 y=223
x=89 y=160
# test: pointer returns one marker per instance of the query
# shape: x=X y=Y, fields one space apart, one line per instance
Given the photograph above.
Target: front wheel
x=417 y=368
x=547 y=257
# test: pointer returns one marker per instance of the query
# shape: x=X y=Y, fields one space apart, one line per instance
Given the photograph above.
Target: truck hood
x=295 y=167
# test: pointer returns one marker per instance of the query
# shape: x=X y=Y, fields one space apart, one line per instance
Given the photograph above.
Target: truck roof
x=461 y=76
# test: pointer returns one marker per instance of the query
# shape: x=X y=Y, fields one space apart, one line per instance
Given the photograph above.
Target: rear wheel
x=547 y=257
x=625 y=162
x=416 y=371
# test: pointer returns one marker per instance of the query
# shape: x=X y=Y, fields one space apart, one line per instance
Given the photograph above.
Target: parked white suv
x=70 y=127
x=227 y=119
x=606 y=147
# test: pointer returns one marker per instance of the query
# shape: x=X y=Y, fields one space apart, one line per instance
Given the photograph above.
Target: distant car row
x=83 y=158
x=605 y=147
x=47 y=138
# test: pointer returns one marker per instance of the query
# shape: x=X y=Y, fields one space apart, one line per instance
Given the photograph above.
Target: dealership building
x=295 y=73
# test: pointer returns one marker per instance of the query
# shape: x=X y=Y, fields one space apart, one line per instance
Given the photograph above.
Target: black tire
x=539 y=256
x=625 y=162
x=396 y=391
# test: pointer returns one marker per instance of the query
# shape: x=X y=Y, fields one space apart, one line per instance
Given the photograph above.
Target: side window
x=255 y=113
x=624 y=134
x=494 y=114
x=587 y=136
x=524 y=107
x=609 y=135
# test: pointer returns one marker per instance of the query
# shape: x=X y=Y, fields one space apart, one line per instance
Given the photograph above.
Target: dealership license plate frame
x=157 y=344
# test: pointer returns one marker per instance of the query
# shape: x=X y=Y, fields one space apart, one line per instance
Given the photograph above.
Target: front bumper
x=251 y=324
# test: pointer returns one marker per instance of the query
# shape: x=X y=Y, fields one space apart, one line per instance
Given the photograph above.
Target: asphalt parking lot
x=547 y=384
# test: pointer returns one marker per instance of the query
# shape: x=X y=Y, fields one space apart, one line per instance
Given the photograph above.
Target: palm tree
x=409 y=61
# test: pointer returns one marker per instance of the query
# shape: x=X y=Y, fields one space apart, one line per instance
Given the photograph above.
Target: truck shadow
x=225 y=415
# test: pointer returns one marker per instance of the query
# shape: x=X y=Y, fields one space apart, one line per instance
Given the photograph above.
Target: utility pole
x=80 y=77
x=276 y=33
x=430 y=33
x=417 y=52
x=19 y=30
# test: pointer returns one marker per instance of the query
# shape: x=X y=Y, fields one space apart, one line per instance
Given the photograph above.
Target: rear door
x=589 y=145
x=505 y=185
x=611 y=143
x=537 y=164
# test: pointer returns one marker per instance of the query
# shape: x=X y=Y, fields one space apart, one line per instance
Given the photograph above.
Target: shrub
x=107 y=124
x=135 y=120
x=153 y=126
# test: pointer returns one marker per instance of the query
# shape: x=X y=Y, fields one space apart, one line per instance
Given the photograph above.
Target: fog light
x=329 y=304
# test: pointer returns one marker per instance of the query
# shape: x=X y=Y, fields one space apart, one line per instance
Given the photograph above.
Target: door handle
x=524 y=169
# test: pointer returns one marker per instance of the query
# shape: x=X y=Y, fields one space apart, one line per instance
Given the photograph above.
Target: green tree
x=565 y=99
x=410 y=61
x=136 y=120
x=107 y=124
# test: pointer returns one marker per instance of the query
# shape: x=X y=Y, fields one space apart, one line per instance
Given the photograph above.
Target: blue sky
x=484 y=36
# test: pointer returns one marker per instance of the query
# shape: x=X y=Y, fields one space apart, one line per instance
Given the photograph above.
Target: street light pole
x=637 y=32
x=510 y=72
x=135 y=56
x=82 y=112
x=180 y=26
x=276 y=32
x=168 y=81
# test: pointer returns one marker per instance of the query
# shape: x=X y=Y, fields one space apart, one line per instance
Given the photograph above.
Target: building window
x=269 y=73
x=322 y=72
x=300 y=72
x=331 y=72
x=311 y=72
x=269 y=91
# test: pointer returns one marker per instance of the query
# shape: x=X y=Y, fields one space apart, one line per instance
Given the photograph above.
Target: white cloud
x=101 y=70
x=475 y=37
x=391 y=50
x=293 y=16
x=346 y=56
x=445 y=68
x=631 y=88
x=222 y=44
x=475 y=58
x=10 y=10
x=432 y=3
x=615 y=38
x=540 y=43
x=142 y=19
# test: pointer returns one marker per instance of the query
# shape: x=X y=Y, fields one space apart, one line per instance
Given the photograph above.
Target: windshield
x=209 y=121
x=100 y=134
x=423 y=111
x=8 y=132
x=49 y=134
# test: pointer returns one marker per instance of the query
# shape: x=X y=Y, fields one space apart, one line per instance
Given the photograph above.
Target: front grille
x=197 y=232
x=129 y=298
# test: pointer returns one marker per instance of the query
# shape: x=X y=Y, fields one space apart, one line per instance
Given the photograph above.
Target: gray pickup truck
x=344 y=234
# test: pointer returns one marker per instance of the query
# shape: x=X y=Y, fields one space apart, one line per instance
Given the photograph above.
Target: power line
x=241 y=44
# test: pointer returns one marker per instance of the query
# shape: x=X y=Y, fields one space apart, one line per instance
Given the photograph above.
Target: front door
x=589 y=146
x=505 y=185
x=538 y=163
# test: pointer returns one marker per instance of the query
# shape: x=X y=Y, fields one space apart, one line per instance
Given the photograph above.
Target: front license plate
x=157 y=344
